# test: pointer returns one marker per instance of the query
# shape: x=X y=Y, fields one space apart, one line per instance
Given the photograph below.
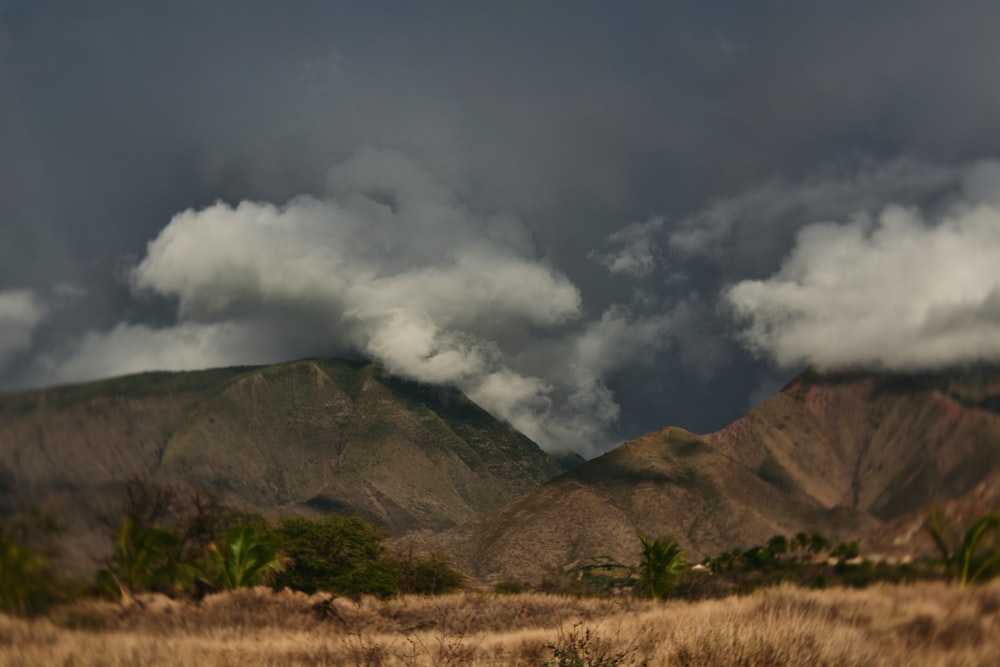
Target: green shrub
x=341 y=555
x=426 y=575
x=508 y=588
x=28 y=584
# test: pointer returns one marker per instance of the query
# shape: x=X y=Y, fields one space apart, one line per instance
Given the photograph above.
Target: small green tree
x=778 y=545
x=342 y=555
x=818 y=544
x=245 y=559
x=759 y=558
x=846 y=550
x=662 y=563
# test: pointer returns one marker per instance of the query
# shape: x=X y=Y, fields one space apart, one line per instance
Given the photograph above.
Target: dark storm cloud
x=644 y=157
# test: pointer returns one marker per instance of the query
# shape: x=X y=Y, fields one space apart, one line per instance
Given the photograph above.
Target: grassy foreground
x=922 y=624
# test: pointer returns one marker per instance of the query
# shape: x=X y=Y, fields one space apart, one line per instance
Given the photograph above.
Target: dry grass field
x=925 y=624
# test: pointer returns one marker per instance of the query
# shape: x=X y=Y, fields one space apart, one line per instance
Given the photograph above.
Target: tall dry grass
x=925 y=624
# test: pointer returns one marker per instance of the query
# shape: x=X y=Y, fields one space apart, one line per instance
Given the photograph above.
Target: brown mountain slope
x=839 y=455
x=665 y=483
x=885 y=445
x=321 y=434
x=335 y=437
x=97 y=433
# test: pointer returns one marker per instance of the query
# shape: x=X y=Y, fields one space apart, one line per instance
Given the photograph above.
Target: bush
x=584 y=648
x=28 y=585
x=426 y=575
x=509 y=588
x=340 y=555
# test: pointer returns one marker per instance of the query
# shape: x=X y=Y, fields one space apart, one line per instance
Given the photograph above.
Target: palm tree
x=141 y=560
x=818 y=544
x=972 y=567
x=778 y=545
x=662 y=562
x=800 y=543
x=246 y=559
x=972 y=560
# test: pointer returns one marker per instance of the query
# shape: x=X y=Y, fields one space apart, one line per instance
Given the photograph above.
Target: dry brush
x=924 y=624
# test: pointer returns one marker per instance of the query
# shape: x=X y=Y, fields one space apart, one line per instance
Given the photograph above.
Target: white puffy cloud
x=389 y=264
x=21 y=311
x=403 y=245
x=904 y=290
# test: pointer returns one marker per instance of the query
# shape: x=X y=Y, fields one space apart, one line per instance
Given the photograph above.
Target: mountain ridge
x=852 y=456
x=309 y=435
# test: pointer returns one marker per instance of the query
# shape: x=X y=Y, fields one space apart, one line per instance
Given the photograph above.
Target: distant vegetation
x=807 y=560
x=198 y=547
x=212 y=548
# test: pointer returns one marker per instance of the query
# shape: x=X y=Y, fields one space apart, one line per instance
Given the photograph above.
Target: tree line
x=965 y=556
x=162 y=544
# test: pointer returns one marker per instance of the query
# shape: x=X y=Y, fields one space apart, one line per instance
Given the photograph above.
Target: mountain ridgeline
x=848 y=455
x=326 y=435
x=852 y=456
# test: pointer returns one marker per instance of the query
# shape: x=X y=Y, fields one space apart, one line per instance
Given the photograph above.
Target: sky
x=595 y=218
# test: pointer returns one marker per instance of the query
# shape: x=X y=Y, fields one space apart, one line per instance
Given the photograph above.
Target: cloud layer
x=562 y=199
x=900 y=291
x=390 y=265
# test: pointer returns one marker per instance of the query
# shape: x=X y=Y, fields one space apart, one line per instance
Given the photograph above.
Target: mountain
x=848 y=455
x=885 y=445
x=309 y=434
